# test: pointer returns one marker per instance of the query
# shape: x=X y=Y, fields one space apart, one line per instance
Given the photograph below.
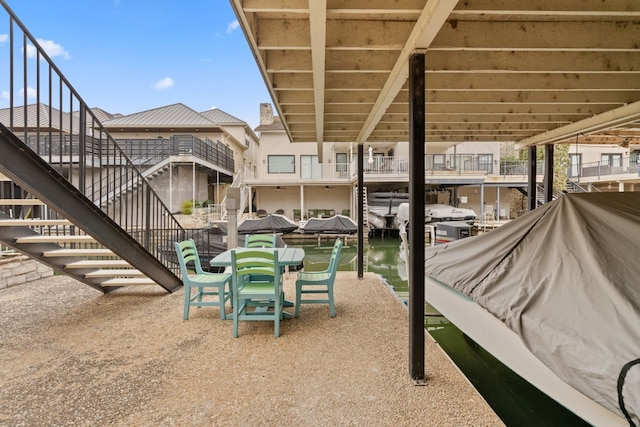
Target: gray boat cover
x=337 y=224
x=272 y=223
x=566 y=278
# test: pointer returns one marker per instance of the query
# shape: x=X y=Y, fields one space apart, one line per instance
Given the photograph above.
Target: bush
x=187 y=207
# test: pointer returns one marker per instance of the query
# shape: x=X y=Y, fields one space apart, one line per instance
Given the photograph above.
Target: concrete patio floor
x=72 y=356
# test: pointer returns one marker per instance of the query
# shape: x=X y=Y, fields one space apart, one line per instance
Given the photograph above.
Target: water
x=513 y=399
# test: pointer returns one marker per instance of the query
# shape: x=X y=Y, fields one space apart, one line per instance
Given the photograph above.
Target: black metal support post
x=532 y=197
x=360 y=211
x=416 y=216
x=548 y=173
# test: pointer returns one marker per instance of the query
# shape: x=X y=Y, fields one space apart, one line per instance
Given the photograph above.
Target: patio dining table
x=288 y=257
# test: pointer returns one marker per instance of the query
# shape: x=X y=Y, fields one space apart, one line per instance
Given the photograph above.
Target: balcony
x=390 y=168
x=626 y=167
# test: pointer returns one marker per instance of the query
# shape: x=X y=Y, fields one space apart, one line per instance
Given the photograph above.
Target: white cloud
x=4 y=38
x=31 y=94
x=233 y=26
x=52 y=49
x=162 y=84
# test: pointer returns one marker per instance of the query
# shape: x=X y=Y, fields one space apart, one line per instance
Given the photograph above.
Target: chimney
x=266 y=114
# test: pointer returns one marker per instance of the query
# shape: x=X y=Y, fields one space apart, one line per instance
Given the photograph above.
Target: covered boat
x=338 y=224
x=383 y=208
x=438 y=213
x=272 y=223
x=441 y=212
x=555 y=295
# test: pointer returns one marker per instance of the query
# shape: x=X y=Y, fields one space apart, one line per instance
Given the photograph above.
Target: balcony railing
x=627 y=165
x=466 y=164
x=389 y=166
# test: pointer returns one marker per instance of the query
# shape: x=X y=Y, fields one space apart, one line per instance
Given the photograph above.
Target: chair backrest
x=188 y=254
x=335 y=258
x=247 y=264
x=260 y=241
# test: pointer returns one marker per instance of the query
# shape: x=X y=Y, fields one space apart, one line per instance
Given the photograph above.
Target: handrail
x=627 y=165
x=71 y=139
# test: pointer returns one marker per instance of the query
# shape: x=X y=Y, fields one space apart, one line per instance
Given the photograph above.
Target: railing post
x=82 y=148
x=147 y=206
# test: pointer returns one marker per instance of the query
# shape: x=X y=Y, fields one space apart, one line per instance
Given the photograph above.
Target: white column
x=193 y=187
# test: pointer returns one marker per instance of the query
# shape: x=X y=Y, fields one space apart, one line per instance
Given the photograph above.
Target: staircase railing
x=238 y=182
x=80 y=148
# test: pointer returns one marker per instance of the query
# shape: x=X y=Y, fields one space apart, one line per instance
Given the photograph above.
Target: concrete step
x=78 y=253
x=81 y=238
x=128 y=282
x=102 y=263
x=33 y=222
x=111 y=272
x=21 y=202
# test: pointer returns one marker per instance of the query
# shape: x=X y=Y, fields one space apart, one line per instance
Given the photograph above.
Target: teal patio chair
x=257 y=287
x=260 y=241
x=193 y=276
x=319 y=282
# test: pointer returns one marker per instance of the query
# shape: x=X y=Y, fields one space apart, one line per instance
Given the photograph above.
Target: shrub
x=187 y=207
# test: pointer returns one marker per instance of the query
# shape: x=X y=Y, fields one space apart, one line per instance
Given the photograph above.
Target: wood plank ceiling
x=532 y=72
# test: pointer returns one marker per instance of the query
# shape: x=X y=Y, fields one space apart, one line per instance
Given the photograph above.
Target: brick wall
x=21 y=269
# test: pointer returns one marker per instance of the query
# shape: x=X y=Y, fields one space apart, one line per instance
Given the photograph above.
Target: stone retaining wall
x=21 y=269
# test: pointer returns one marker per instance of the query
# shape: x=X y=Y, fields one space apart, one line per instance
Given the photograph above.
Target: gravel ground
x=70 y=356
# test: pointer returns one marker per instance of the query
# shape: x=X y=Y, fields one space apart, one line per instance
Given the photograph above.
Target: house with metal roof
x=188 y=155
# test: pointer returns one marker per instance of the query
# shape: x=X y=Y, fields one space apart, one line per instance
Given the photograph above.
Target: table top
x=286 y=256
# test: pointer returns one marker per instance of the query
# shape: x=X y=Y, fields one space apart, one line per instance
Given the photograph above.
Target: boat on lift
x=384 y=207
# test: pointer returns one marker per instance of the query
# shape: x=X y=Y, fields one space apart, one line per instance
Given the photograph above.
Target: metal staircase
x=53 y=188
x=49 y=219
x=238 y=182
x=574 y=187
x=60 y=245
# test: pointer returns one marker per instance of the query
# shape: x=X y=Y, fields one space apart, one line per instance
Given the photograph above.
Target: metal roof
x=218 y=116
x=175 y=115
x=37 y=117
x=532 y=72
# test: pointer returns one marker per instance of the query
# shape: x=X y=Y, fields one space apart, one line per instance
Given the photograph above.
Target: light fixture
x=609 y=187
x=370 y=155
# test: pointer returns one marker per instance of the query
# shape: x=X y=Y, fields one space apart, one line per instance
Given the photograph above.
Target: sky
x=128 y=56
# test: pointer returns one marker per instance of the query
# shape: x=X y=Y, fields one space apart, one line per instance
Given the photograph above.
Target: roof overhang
x=533 y=73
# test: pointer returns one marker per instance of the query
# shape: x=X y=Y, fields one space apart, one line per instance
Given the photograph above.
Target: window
x=485 y=162
x=281 y=164
x=341 y=164
x=575 y=163
x=614 y=160
x=309 y=167
x=438 y=162
x=465 y=162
